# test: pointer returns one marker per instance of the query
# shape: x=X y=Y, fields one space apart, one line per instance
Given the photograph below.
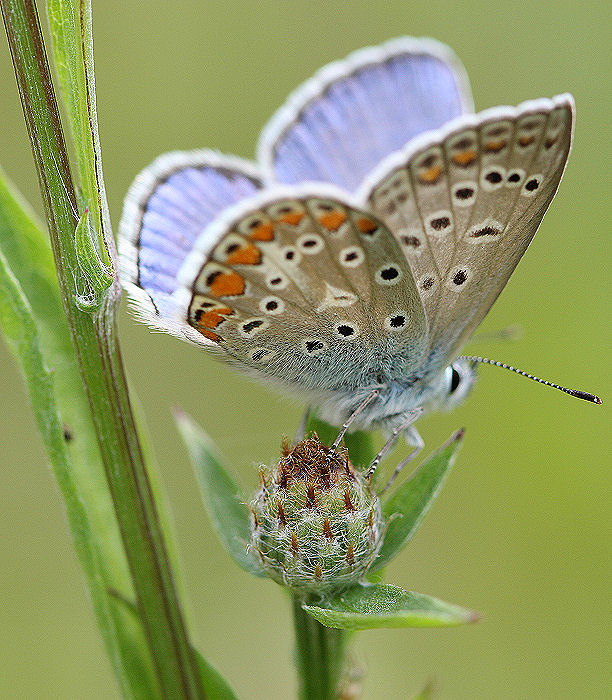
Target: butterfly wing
x=340 y=124
x=167 y=207
x=465 y=202
x=300 y=285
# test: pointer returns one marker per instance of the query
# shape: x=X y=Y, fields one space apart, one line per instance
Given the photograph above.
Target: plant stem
x=99 y=361
x=320 y=655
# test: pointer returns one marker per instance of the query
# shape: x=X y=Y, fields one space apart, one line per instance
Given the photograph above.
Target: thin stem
x=99 y=362
x=319 y=654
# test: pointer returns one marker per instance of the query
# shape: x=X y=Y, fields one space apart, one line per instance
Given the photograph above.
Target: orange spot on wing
x=431 y=175
x=262 y=232
x=249 y=255
x=464 y=158
x=333 y=220
x=227 y=284
x=212 y=318
x=293 y=218
x=210 y=335
x=526 y=140
x=366 y=225
x=495 y=146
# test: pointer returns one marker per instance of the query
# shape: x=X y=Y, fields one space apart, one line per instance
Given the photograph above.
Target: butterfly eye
x=459 y=378
x=455 y=380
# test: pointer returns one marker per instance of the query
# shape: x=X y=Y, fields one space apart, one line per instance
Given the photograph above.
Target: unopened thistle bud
x=317 y=524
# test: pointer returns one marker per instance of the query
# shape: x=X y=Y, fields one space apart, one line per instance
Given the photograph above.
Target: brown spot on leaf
x=327 y=531
x=350 y=554
x=348 y=504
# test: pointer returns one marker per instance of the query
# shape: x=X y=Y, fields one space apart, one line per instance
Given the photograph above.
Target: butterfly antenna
x=572 y=392
x=368 y=399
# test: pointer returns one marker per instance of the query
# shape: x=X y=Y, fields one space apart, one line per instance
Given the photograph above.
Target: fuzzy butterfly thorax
x=381 y=223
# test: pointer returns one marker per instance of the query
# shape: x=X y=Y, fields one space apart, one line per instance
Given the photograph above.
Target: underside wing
x=305 y=288
x=383 y=222
x=465 y=202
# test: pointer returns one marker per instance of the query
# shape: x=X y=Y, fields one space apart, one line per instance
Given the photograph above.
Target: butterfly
x=355 y=260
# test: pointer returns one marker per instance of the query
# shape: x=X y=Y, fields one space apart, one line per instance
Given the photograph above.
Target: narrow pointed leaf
x=70 y=22
x=408 y=505
x=222 y=499
x=383 y=605
x=427 y=693
x=96 y=355
x=215 y=686
x=124 y=643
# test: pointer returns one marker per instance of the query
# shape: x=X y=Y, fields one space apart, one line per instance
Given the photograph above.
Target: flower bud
x=317 y=524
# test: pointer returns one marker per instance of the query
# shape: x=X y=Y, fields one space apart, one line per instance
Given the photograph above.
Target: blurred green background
x=521 y=531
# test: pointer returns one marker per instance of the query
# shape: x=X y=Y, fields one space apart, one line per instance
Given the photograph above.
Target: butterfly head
x=459 y=378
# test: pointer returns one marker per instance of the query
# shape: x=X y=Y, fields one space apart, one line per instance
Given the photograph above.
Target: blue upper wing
x=340 y=124
x=169 y=205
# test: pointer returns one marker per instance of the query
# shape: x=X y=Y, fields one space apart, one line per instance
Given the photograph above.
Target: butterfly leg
x=409 y=418
x=368 y=399
x=412 y=438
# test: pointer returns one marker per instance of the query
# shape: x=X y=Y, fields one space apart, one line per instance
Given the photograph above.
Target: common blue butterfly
x=381 y=223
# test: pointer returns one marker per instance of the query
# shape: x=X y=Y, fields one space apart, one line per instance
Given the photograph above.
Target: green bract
x=317 y=524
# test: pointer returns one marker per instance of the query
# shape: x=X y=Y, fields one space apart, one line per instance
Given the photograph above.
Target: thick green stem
x=319 y=654
x=101 y=369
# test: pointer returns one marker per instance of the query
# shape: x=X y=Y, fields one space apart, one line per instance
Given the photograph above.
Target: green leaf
x=21 y=335
x=215 y=685
x=358 y=443
x=71 y=30
x=32 y=306
x=98 y=275
x=370 y=606
x=408 y=505
x=124 y=643
x=222 y=498
x=25 y=245
x=96 y=355
x=427 y=693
